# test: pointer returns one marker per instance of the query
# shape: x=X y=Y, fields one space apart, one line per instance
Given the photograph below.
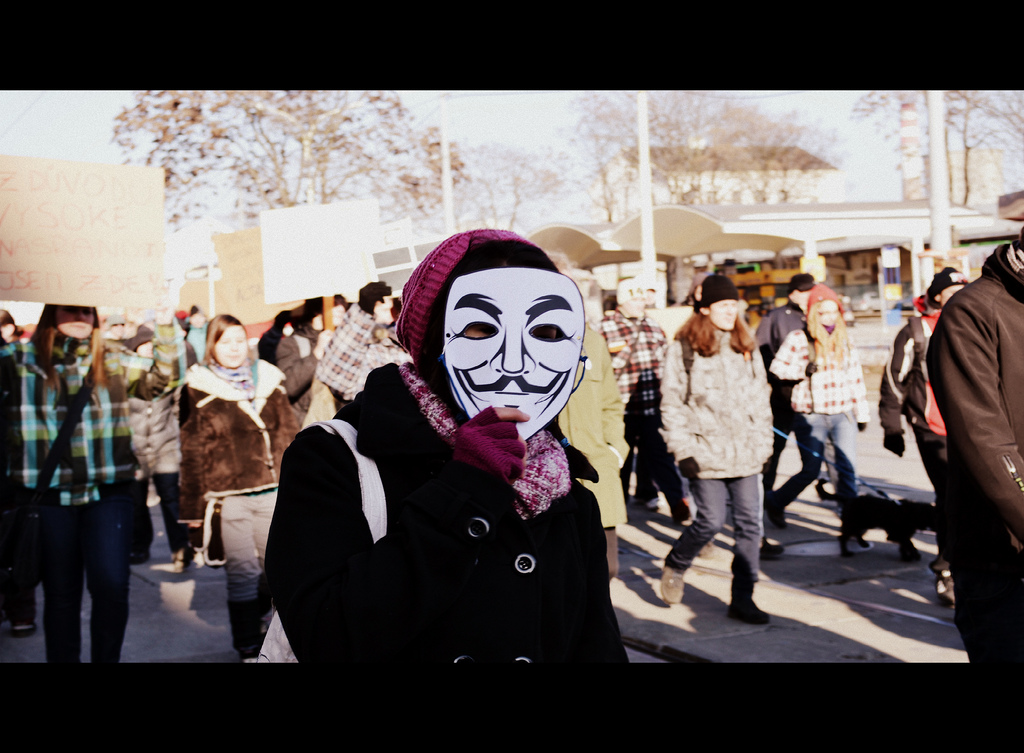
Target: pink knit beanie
x=822 y=292
x=420 y=292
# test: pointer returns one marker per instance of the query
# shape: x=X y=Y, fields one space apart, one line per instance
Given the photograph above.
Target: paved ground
x=870 y=608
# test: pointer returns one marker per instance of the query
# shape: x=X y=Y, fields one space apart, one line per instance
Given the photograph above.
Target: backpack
x=931 y=411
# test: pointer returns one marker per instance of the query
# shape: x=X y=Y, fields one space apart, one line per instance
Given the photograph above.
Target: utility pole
x=648 y=255
x=938 y=184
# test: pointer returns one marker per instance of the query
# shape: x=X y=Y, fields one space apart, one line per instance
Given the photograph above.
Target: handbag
x=276 y=648
x=20 y=544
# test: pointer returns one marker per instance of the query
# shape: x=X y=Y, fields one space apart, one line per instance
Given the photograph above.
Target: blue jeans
x=712 y=496
x=990 y=614
x=812 y=430
x=91 y=541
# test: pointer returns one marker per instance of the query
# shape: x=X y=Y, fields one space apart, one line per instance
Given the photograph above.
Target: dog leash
x=818 y=455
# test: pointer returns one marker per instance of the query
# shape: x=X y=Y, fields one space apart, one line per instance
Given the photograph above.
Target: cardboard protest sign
x=80 y=233
x=194 y=293
x=240 y=290
x=320 y=250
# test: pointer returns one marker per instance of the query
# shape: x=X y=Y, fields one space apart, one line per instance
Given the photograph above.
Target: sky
x=77 y=125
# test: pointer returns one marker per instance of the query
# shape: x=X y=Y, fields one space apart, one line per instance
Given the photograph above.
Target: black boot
x=743 y=608
x=245 y=628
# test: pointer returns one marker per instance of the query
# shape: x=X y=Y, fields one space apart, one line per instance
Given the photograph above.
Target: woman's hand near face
x=490 y=441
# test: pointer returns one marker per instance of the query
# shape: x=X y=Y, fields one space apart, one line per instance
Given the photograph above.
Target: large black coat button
x=525 y=563
x=477 y=527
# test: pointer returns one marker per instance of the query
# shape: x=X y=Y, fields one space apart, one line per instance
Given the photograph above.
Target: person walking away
x=829 y=399
x=236 y=422
x=637 y=345
x=975 y=360
x=156 y=443
x=906 y=391
x=717 y=424
x=86 y=511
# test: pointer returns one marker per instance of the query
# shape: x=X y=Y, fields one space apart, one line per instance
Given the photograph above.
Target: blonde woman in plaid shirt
x=829 y=399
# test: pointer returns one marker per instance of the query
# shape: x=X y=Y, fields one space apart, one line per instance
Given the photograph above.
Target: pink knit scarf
x=545 y=472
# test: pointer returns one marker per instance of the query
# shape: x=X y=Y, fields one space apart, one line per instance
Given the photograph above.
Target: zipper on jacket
x=1013 y=472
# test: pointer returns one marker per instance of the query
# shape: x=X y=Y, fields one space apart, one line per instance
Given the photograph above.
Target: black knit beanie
x=716 y=288
x=947 y=278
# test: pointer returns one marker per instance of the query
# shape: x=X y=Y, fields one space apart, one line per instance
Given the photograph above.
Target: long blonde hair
x=829 y=347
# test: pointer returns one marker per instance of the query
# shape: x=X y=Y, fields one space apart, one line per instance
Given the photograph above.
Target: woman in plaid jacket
x=86 y=512
x=829 y=399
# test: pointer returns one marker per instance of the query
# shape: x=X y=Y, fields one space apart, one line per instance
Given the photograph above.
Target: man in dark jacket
x=771 y=331
x=975 y=361
x=905 y=390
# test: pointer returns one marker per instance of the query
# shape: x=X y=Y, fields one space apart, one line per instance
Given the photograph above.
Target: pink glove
x=491 y=444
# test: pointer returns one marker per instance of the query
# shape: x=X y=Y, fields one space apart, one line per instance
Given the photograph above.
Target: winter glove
x=811 y=368
x=689 y=467
x=894 y=444
x=491 y=444
x=862 y=426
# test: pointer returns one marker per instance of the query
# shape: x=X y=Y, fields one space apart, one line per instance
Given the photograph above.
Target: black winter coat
x=441 y=585
x=975 y=364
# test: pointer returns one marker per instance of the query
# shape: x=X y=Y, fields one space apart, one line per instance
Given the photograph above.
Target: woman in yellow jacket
x=592 y=422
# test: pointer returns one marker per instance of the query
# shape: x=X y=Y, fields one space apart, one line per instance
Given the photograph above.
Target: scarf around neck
x=241 y=378
x=545 y=475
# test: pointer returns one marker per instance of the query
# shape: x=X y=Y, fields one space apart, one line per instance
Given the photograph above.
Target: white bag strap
x=374 y=504
x=276 y=647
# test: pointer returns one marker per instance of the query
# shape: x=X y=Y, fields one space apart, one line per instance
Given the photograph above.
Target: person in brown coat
x=236 y=423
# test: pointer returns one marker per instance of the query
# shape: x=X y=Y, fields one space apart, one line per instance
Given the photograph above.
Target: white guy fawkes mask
x=513 y=338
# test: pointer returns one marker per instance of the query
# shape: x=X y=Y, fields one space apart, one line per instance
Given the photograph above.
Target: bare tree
x=975 y=119
x=282 y=148
x=705 y=148
x=503 y=184
x=606 y=127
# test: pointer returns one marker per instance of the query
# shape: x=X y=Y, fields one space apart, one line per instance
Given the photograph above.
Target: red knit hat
x=420 y=291
x=822 y=292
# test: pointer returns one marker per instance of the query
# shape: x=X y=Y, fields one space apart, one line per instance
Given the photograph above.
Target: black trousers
x=932 y=448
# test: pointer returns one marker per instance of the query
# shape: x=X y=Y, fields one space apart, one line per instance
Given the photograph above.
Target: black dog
x=900 y=519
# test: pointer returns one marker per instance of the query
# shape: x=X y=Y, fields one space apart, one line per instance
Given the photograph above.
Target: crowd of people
x=440 y=477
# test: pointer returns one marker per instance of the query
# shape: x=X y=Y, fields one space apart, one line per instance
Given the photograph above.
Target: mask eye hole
x=548 y=332
x=479 y=331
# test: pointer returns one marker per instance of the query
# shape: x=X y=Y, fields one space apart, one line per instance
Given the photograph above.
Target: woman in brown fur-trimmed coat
x=236 y=423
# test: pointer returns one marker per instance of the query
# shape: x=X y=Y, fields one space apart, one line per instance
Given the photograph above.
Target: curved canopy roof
x=682 y=231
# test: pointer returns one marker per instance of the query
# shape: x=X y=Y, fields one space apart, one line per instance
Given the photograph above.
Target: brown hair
x=215 y=331
x=46 y=336
x=703 y=335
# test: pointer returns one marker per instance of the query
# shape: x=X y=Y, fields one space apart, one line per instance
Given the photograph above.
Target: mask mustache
x=503 y=382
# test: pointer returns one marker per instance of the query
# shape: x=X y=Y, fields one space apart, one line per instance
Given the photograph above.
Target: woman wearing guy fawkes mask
x=493 y=551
